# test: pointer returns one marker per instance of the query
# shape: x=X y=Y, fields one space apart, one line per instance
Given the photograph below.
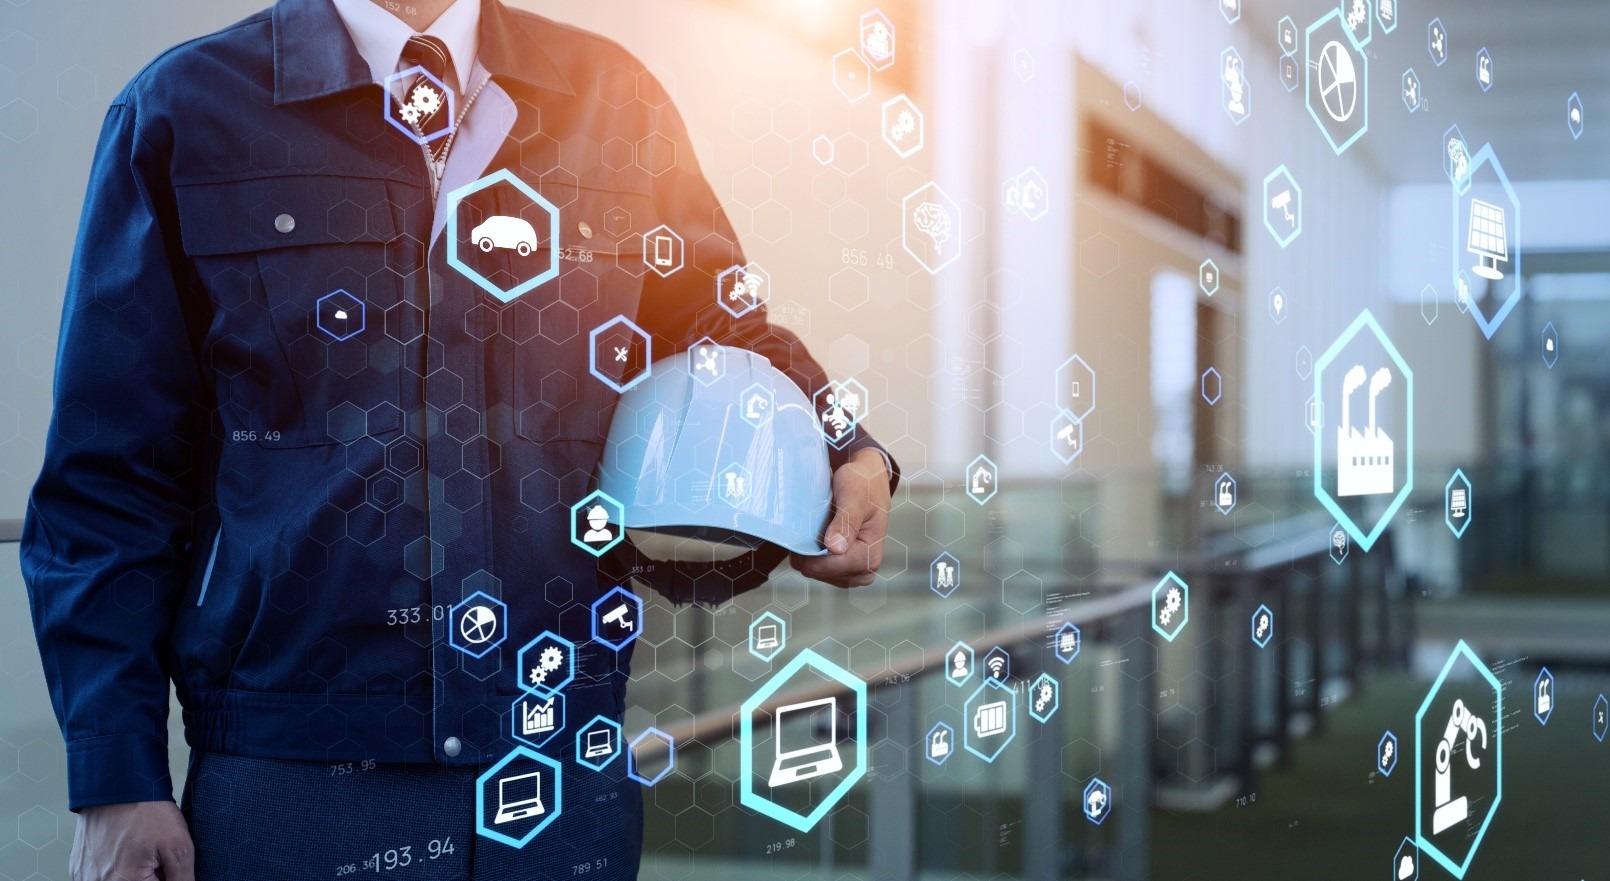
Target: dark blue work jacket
x=277 y=507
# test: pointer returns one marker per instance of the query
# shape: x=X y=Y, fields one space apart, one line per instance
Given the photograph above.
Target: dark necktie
x=423 y=105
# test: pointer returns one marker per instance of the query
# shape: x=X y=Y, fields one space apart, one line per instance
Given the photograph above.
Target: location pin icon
x=1280 y=303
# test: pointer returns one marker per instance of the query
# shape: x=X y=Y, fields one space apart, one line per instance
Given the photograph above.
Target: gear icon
x=409 y=113
x=1171 y=604
x=425 y=98
x=1043 y=699
x=547 y=662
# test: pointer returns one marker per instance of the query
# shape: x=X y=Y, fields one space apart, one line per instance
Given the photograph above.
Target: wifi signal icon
x=998 y=664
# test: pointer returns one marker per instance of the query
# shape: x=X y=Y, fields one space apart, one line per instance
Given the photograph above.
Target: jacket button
x=452 y=746
x=585 y=229
x=285 y=223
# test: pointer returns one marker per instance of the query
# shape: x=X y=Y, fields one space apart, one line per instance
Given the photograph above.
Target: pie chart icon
x=1338 y=81
x=478 y=624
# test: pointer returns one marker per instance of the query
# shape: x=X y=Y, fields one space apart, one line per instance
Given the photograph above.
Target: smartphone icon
x=663 y=250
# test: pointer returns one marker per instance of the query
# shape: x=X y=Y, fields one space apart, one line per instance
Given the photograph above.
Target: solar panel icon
x=1488 y=239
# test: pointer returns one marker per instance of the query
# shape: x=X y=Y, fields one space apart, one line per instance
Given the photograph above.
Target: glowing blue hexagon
x=1263 y=626
x=1601 y=718
x=554 y=804
x=1237 y=89
x=1231 y=10
x=1551 y=345
x=536 y=720
x=742 y=288
x=981 y=478
x=608 y=617
x=670 y=754
x=1437 y=42
x=1076 y=388
x=1386 y=13
x=945 y=574
x=635 y=331
x=1406 y=851
x=1279 y=305
x=1207 y=277
x=734 y=483
x=1486 y=156
x=940 y=744
x=1286 y=35
x=1455 y=150
x=1097 y=801
x=756 y=404
x=1044 y=697
x=597 y=752
x=746 y=740
x=1365 y=539
x=1067 y=437
x=1340 y=543
x=1411 y=90
x=1340 y=62
x=477 y=624
x=1458 y=503
x=340 y=315
x=1573 y=115
x=959 y=662
x=707 y=361
x=1357 y=19
x=1305 y=363
x=1484 y=69
x=1457 y=868
x=1543 y=696
x=1212 y=386
x=547 y=664
x=990 y=716
x=1171 y=606
x=1225 y=493
x=1068 y=642
x=768 y=636
x=998 y=665
x=1282 y=206
x=502 y=175
x=1386 y=754
x=597 y=538
x=392 y=108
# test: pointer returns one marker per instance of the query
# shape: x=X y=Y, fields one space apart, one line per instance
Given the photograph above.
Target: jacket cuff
x=117 y=768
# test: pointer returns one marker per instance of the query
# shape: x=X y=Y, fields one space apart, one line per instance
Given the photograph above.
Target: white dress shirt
x=381 y=36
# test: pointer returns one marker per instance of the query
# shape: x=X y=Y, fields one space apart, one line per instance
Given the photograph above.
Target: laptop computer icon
x=766 y=637
x=598 y=743
x=807 y=741
x=519 y=797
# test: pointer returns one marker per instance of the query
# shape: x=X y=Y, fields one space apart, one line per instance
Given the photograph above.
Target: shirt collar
x=380 y=37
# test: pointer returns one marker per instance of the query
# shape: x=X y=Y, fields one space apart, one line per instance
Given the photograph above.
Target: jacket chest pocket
x=576 y=341
x=304 y=296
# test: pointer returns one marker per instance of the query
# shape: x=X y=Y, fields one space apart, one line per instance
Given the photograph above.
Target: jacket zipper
x=212 y=559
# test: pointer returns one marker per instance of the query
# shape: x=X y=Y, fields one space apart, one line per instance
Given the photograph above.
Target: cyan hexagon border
x=1011 y=720
x=670 y=753
x=569 y=648
x=1447 y=503
x=972 y=663
x=1363 y=82
x=1084 y=805
x=1297 y=228
x=1458 y=869
x=618 y=509
x=1062 y=381
x=592 y=725
x=1543 y=718
x=1380 y=750
x=782 y=636
x=746 y=739
x=1253 y=626
x=557 y=703
x=502 y=175
x=363 y=315
x=390 y=106
x=1056 y=698
x=1235 y=493
x=592 y=354
x=1487 y=155
x=498 y=608
x=928 y=739
x=995 y=478
x=1078 y=643
x=554 y=810
x=1185 y=605
x=631 y=599
x=933 y=585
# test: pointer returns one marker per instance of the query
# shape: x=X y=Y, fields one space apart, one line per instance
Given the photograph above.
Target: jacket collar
x=314 y=55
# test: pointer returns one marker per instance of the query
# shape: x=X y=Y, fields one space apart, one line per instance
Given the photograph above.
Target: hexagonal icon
x=1459 y=758
x=502 y=253
x=1231 y=10
x=546 y=664
x=902 y=126
x=1305 y=362
x=1458 y=503
x=1207 y=277
x=944 y=574
x=1236 y=91
x=340 y=315
x=1076 y=388
x=940 y=743
x=1573 y=115
x=1386 y=754
x=1067 y=437
x=620 y=354
x=803 y=807
x=428 y=110
x=1171 y=606
x=1225 y=493
x=1386 y=14
x=1430 y=306
x=1097 y=801
x=707 y=361
x=931 y=227
x=1406 y=862
x=1437 y=42
x=959 y=663
x=1023 y=64
x=536 y=720
x=877 y=43
x=741 y=289
x=1456 y=157
x=1290 y=74
x=598 y=743
x=842 y=406
x=990 y=715
x=1132 y=96
x=1368 y=462
x=1316 y=414
x=998 y=665
x=1356 y=16
x=852 y=76
x=768 y=636
x=518 y=797
x=1543 y=696
x=1263 y=626
x=1044 y=698
x=1286 y=35
x=1340 y=544
x=617 y=618
x=1278 y=303
x=1601 y=718
x=634 y=768
x=1212 y=386
x=1337 y=92
x=1027 y=193
x=1487 y=232
x=663 y=251
x=1068 y=642
x=1411 y=90
x=478 y=624
x=596 y=523
x=1484 y=69
x=1282 y=206
x=734 y=484
x=1551 y=345
x=981 y=477
x=1462 y=292
x=756 y=404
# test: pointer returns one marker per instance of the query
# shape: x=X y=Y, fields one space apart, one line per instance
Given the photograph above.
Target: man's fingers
x=178 y=860
x=844 y=527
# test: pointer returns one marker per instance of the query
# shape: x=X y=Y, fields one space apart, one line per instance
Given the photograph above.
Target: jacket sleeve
x=681 y=310
x=105 y=546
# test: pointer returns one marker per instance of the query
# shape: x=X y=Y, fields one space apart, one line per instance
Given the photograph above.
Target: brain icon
x=932 y=219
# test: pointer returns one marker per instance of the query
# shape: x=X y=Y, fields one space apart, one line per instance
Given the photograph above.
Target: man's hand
x=136 y=841
x=860 y=521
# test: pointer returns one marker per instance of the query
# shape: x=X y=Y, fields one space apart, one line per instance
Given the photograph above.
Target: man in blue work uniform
x=292 y=439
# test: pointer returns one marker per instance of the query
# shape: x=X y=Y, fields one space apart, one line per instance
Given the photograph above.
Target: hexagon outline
x=1369 y=21
x=1410 y=76
x=838 y=388
x=1397 y=860
x=1185 y=606
x=498 y=608
x=1224 y=85
x=748 y=269
x=933 y=584
x=956 y=236
x=838 y=84
x=1006 y=664
x=928 y=740
x=1543 y=718
x=782 y=636
x=766 y=393
x=1278 y=315
x=1218 y=386
x=407 y=76
x=1599 y=733
x=874 y=16
x=570 y=658
x=738 y=468
x=693 y=362
x=1576 y=128
x=1431 y=28
x=1486 y=155
x=1491 y=75
x=1094 y=784
x=491 y=773
x=1061 y=382
x=1551 y=356
x=1235 y=493
x=902 y=99
x=1078 y=643
x=1253 y=625
x=1366 y=540
x=1280 y=44
x=592 y=725
x=592 y=354
x=1011 y=720
x=1297 y=226
x=972 y=663
x=1347 y=544
x=1056 y=698
x=1224 y=10
x=618 y=511
x=363 y=315
x=1202 y=277
x=556 y=701
x=502 y=175
x=651 y=253
x=746 y=738
x=1458 y=870
x=994 y=477
x=670 y=752
x=1363 y=94
x=1386 y=27
x=632 y=600
x=1060 y=423
x=1447 y=503
x=1380 y=750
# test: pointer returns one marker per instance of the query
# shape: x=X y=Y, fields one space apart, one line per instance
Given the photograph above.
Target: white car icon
x=502 y=231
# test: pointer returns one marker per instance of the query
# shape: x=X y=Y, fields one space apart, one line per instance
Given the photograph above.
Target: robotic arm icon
x=1450 y=810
